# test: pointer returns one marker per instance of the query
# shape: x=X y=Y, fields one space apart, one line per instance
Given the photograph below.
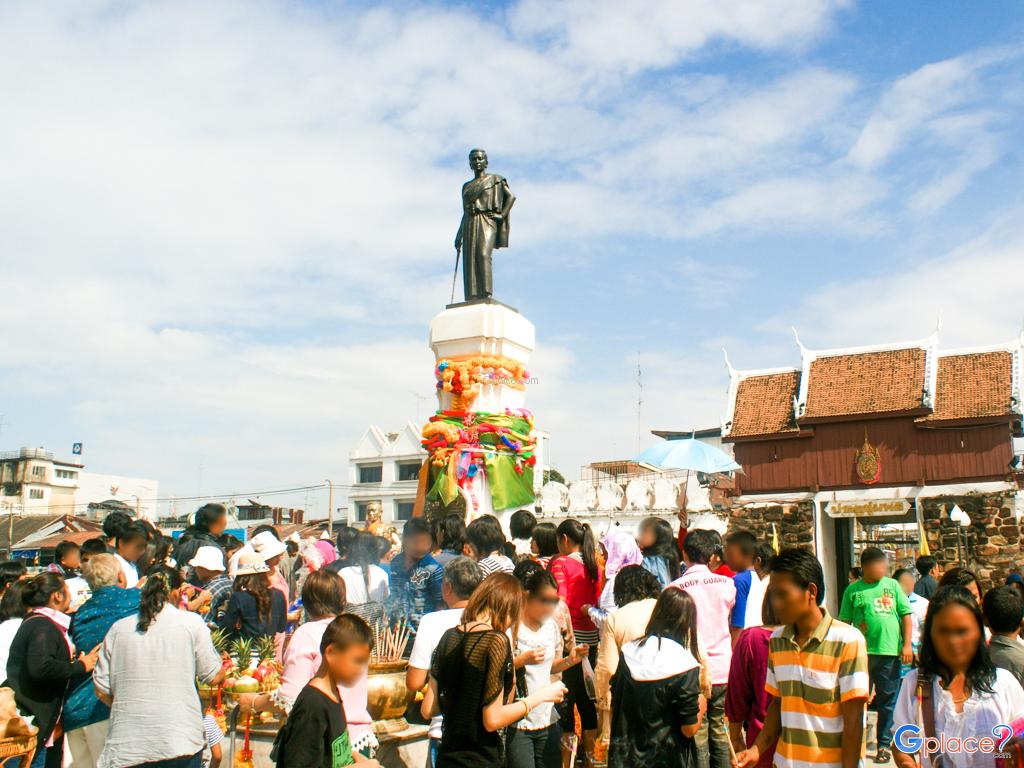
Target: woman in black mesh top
x=472 y=681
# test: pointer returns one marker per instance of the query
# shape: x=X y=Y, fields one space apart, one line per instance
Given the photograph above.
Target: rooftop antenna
x=419 y=399
x=639 y=400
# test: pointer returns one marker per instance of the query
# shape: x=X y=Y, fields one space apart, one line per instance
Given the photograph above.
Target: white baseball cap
x=210 y=558
x=266 y=545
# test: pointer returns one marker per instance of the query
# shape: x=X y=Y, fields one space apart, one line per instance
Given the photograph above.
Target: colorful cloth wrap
x=461 y=444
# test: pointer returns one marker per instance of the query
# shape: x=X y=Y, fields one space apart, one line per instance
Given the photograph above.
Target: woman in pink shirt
x=576 y=573
x=323 y=598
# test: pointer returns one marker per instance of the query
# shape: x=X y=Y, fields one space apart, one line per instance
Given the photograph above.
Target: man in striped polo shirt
x=817 y=675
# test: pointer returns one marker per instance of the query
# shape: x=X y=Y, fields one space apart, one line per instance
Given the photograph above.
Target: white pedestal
x=482 y=330
x=491 y=330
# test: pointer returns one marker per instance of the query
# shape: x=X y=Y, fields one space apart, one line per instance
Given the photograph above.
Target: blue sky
x=227 y=225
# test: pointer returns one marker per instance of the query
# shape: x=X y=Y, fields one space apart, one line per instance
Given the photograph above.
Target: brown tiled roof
x=973 y=385
x=865 y=382
x=764 y=404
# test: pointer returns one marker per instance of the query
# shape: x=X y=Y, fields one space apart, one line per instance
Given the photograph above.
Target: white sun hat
x=245 y=549
x=210 y=558
x=266 y=545
x=249 y=563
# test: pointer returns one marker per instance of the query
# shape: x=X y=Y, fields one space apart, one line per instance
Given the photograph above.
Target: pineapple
x=242 y=651
x=220 y=639
x=266 y=650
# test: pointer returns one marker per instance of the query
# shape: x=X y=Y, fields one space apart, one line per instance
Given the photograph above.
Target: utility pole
x=10 y=529
x=639 y=402
x=419 y=400
x=330 y=510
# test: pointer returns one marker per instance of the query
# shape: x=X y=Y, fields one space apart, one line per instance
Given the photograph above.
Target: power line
x=70 y=508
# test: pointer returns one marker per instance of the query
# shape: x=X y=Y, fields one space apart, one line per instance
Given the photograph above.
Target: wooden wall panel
x=909 y=455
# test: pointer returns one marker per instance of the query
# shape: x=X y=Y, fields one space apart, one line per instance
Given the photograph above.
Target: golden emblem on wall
x=868 y=463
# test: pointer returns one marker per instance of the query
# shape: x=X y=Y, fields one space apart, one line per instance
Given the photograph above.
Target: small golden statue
x=375 y=525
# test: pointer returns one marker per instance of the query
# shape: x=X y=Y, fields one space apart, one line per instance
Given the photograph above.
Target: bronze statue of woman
x=486 y=202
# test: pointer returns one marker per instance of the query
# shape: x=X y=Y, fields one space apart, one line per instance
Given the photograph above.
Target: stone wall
x=793 y=522
x=994 y=537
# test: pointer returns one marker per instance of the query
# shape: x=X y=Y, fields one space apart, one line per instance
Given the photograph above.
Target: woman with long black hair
x=366 y=583
x=657 y=704
x=42 y=662
x=255 y=608
x=576 y=573
x=661 y=552
x=956 y=687
x=146 y=674
x=544 y=542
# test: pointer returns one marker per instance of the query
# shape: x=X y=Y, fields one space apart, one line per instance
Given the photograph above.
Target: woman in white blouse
x=966 y=693
x=367 y=585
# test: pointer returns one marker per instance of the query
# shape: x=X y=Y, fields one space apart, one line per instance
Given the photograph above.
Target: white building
x=384 y=467
x=34 y=482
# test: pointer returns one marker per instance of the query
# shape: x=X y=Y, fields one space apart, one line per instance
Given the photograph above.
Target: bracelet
x=526 y=706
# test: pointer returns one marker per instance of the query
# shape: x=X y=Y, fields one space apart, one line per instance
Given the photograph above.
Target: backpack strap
x=927 y=703
x=926 y=714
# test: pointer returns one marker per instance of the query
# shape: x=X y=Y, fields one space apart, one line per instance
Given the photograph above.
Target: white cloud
x=975 y=288
x=657 y=33
x=225 y=226
x=945 y=107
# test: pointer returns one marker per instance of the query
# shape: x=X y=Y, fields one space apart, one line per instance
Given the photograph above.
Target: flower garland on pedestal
x=465 y=377
x=462 y=443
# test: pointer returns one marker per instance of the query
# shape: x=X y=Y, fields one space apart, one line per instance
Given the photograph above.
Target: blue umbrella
x=688 y=454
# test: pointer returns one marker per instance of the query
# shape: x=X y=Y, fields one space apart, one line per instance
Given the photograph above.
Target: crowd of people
x=548 y=646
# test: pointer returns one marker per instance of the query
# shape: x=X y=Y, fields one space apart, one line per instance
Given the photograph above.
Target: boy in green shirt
x=877 y=606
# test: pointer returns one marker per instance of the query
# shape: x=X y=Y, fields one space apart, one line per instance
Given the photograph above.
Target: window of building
x=409 y=471
x=403 y=510
x=66 y=474
x=35 y=493
x=371 y=473
x=38 y=471
x=361 y=507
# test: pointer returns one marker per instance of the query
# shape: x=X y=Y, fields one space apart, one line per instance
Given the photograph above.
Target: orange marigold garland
x=463 y=378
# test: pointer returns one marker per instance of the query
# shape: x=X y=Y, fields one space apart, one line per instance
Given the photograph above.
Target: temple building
x=873 y=445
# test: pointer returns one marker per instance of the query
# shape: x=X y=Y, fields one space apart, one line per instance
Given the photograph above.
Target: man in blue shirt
x=740 y=551
x=415 y=575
